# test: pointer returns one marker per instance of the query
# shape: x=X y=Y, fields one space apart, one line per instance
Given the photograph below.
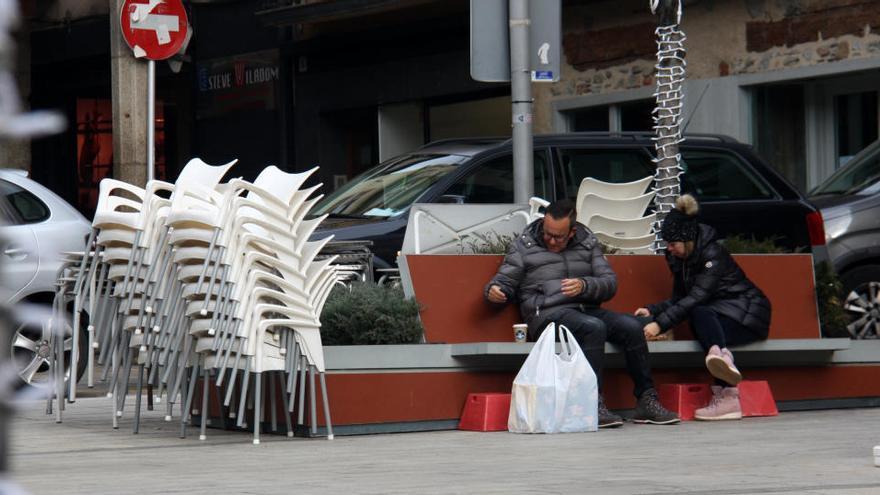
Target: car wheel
x=31 y=351
x=862 y=304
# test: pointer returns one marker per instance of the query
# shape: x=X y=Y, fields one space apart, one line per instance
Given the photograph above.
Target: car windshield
x=859 y=174
x=389 y=188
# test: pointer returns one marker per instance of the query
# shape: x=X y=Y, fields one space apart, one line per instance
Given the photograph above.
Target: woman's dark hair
x=561 y=209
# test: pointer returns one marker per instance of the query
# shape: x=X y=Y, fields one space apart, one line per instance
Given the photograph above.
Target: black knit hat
x=680 y=224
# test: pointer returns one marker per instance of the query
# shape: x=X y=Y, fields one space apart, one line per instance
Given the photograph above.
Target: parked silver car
x=850 y=205
x=36 y=226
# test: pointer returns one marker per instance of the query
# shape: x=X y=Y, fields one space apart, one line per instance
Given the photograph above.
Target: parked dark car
x=740 y=194
x=850 y=204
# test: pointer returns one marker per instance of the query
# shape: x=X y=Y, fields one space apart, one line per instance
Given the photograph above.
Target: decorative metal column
x=669 y=96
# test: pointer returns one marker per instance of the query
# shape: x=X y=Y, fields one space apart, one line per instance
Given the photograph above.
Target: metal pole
x=151 y=120
x=521 y=99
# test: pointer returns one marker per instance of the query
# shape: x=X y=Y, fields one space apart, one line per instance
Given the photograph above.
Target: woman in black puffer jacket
x=724 y=307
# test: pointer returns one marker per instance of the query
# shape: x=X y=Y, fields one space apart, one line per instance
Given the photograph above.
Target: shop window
x=779 y=130
x=636 y=116
x=629 y=116
x=94 y=147
x=856 y=123
x=590 y=119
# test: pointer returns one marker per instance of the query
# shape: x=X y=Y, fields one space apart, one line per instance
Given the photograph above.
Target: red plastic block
x=756 y=399
x=684 y=398
x=485 y=412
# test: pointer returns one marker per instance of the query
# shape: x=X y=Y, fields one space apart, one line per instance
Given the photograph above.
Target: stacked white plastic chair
x=615 y=212
x=217 y=281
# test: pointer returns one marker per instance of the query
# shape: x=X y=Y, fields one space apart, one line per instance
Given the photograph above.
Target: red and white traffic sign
x=155 y=29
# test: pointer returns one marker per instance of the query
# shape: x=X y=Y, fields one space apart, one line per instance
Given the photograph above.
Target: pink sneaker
x=723 y=406
x=720 y=365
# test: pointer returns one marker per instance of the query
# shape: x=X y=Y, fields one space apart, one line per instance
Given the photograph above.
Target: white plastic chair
x=612 y=190
x=622 y=227
x=613 y=208
x=626 y=244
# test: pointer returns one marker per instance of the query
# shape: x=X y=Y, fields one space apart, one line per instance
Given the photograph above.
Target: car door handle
x=14 y=252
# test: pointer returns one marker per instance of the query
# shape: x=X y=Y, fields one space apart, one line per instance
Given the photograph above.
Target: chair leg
x=57 y=337
x=258 y=402
x=137 y=399
x=273 y=400
x=245 y=381
x=212 y=281
x=284 y=400
x=74 y=350
x=207 y=261
x=191 y=387
x=206 y=376
x=123 y=382
x=302 y=391
x=313 y=413
x=291 y=387
x=230 y=385
x=326 y=406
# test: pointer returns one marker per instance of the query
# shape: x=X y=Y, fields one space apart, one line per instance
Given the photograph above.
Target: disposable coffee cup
x=520 y=330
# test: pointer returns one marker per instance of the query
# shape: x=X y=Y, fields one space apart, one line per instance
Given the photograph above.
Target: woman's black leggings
x=711 y=328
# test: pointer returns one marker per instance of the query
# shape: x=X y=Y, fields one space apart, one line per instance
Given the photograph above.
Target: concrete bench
x=449 y=289
x=673 y=354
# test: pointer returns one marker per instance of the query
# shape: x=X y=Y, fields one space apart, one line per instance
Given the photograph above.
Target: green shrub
x=369 y=314
x=745 y=245
x=606 y=249
x=832 y=317
x=494 y=243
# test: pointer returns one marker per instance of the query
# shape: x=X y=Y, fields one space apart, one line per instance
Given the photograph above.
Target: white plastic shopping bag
x=554 y=393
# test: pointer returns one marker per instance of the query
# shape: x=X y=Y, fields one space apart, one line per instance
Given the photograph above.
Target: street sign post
x=490 y=40
x=155 y=30
x=518 y=41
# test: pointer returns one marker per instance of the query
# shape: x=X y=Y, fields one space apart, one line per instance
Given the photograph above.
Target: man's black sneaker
x=649 y=410
x=608 y=419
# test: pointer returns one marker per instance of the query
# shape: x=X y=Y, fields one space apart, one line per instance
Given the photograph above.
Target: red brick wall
x=834 y=18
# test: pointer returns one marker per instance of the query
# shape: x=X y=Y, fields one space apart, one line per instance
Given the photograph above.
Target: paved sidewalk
x=822 y=452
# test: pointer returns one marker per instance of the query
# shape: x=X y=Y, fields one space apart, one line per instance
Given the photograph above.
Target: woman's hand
x=573 y=286
x=642 y=312
x=652 y=330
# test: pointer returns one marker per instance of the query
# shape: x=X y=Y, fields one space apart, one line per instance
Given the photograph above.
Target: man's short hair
x=561 y=209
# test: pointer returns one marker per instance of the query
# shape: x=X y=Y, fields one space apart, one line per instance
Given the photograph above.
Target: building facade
x=345 y=84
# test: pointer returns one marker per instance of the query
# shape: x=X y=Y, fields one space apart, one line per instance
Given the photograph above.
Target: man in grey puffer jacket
x=557 y=272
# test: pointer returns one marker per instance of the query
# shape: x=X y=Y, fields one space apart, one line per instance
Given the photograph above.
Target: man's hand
x=642 y=312
x=652 y=330
x=496 y=296
x=573 y=286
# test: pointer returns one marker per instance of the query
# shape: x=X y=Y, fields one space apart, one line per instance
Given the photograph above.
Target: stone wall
x=609 y=46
